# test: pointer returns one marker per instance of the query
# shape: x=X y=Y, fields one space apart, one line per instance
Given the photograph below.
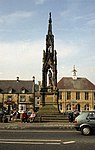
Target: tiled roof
x=16 y=86
x=78 y=84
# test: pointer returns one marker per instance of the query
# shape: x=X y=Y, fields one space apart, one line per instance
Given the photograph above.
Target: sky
x=23 y=29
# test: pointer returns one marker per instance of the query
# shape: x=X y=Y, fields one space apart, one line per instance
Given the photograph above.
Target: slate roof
x=69 y=83
x=16 y=86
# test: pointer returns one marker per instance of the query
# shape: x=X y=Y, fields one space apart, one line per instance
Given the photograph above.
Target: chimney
x=17 y=79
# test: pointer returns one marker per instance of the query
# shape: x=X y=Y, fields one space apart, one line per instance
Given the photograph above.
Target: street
x=45 y=140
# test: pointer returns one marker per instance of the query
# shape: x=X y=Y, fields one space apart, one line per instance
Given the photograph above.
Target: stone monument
x=49 y=91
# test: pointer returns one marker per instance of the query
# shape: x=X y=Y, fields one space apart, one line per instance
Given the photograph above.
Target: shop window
x=21 y=108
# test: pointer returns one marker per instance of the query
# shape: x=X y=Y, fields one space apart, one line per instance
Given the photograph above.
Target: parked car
x=85 y=122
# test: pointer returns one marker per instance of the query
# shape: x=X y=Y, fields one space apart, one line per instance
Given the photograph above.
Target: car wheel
x=85 y=130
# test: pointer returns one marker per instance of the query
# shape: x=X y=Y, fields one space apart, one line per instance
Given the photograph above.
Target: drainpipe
x=2 y=102
x=34 y=93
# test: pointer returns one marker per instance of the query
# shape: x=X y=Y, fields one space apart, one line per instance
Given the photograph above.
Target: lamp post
x=34 y=93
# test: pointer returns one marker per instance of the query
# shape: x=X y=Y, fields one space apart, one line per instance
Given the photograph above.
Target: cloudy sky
x=23 y=29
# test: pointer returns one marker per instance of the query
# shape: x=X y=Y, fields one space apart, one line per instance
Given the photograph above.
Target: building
x=18 y=94
x=76 y=93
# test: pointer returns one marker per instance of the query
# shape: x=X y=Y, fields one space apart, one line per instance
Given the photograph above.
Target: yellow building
x=76 y=94
x=17 y=94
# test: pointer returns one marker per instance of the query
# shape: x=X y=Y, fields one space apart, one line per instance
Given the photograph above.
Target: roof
x=16 y=86
x=69 y=83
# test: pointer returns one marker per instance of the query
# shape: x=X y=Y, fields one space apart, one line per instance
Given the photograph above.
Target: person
x=24 y=116
x=11 y=115
x=76 y=113
x=32 y=117
x=70 y=116
x=18 y=115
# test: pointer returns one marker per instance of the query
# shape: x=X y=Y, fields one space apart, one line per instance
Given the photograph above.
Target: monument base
x=50 y=105
x=48 y=109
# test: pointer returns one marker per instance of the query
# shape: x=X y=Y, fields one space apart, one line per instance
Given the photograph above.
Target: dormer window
x=10 y=90
x=23 y=90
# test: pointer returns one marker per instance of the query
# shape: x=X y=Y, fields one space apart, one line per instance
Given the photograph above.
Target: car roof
x=88 y=111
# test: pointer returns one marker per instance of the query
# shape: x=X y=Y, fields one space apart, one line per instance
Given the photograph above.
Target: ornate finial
x=50 y=14
x=50 y=20
x=50 y=25
x=74 y=73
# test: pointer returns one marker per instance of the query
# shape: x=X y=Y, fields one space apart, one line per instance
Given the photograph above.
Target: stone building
x=76 y=93
x=18 y=94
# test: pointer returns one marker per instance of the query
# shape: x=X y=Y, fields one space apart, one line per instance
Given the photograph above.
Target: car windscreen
x=83 y=115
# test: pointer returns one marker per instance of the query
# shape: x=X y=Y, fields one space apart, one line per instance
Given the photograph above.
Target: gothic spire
x=50 y=25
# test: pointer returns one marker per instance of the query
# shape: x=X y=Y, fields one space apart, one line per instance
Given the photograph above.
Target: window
x=77 y=95
x=92 y=115
x=60 y=106
x=10 y=90
x=86 y=107
x=68 y=107
x=94 y=95
x=23 y=91
x=22 y=99
x=60 y=95
x=86 y=95
x=21 y=108
x=38 y=102
x=9 y=99
x=68 y=95
x=78 y=107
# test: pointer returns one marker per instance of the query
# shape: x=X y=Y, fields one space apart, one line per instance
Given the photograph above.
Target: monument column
x=49 y=89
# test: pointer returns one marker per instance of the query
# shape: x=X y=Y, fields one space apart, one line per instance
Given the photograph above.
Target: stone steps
x=50 y=113
x=48 y=109
x=51 y=118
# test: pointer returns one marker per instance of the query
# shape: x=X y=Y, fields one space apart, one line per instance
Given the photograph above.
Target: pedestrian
x=11 y=115
x=71 y=117
x=32 y=117
x=24 y=116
